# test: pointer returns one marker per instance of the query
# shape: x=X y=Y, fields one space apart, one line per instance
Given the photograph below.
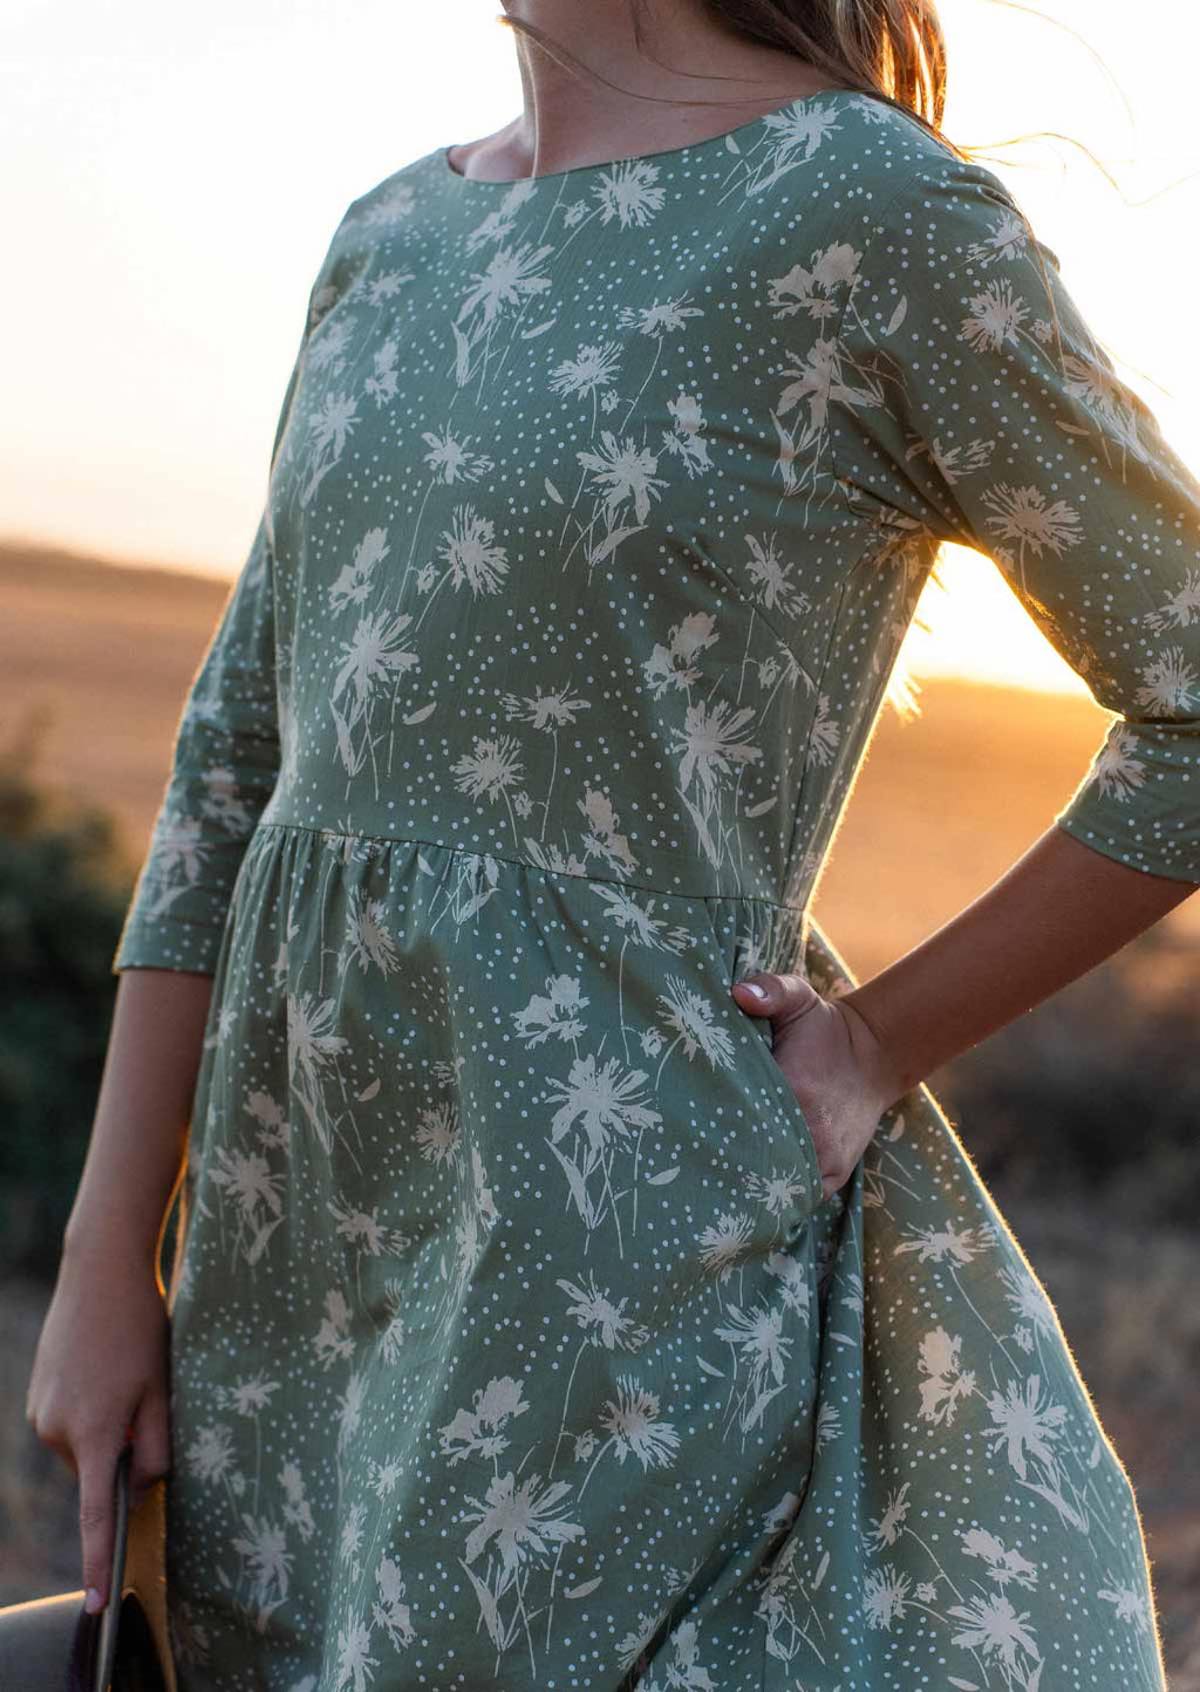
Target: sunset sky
x=174 y=176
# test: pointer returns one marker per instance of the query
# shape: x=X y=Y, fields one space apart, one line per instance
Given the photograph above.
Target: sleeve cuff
x=168 y=944
x=1140 y=799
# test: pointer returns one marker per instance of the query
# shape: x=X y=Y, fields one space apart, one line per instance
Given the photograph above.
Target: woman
x=551 y=1309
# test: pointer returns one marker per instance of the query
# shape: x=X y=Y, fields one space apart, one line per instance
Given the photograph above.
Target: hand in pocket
x=833 y=1062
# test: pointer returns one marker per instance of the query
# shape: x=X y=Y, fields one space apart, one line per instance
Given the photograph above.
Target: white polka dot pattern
x=513 y=1341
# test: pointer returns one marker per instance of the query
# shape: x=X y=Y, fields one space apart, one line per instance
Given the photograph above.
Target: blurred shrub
x=1097 y=1088
x=64 y=888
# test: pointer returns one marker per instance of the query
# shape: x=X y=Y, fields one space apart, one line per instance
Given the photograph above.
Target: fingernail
x=91 y=1601
x=754 y=987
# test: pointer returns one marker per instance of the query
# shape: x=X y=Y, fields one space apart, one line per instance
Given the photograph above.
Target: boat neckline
x=799 y=103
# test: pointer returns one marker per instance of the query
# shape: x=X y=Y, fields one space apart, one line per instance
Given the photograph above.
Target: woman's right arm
x=138 y=1139
x=101 y=1365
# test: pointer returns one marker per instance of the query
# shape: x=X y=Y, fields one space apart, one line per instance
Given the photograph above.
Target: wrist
x=107 y=1243
x=883 y=1066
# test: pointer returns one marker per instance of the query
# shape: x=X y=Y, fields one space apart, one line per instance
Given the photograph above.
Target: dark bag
x=54 y=1645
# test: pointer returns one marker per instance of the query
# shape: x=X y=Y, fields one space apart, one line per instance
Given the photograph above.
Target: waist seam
x=261 y=827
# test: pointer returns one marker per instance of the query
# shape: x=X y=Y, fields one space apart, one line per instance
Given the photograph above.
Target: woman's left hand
x=841 y=1075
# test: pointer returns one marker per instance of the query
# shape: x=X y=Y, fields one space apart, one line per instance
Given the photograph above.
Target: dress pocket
x=760 y=1035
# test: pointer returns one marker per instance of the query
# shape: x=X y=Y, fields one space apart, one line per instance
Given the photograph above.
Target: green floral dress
x=512 y=1339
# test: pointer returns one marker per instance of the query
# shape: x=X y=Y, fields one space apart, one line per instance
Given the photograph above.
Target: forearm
x=1058 y=912
x=142 y=1111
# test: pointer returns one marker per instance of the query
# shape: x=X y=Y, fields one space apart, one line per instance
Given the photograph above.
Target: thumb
x=767 y=993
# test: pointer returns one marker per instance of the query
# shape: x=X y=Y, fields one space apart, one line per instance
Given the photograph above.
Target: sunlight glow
x=180 y=179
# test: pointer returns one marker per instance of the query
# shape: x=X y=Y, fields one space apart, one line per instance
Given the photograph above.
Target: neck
x=681 y=52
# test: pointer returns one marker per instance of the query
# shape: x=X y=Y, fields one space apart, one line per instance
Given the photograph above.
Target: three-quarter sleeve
x=224 y=763
x=968 y=397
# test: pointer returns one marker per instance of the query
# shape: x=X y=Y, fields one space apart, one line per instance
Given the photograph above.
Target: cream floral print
x=512 y=1340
